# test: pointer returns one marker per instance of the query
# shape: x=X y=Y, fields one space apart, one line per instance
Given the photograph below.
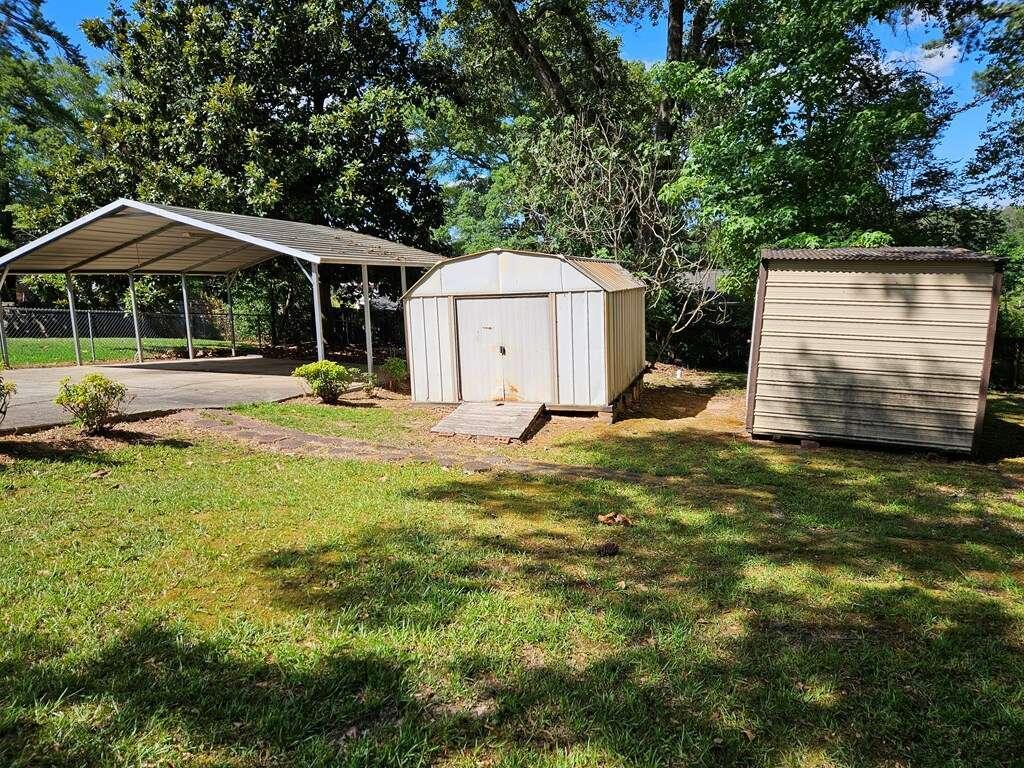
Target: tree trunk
x=530 y=52
x=673 y=52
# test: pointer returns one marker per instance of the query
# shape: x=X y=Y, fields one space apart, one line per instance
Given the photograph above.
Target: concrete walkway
x=157 y=387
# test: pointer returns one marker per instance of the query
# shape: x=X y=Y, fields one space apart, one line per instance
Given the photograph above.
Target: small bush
x=326 y=379
x=7 y=390
x=394 y=373
x=94 y=402
x=370 y=385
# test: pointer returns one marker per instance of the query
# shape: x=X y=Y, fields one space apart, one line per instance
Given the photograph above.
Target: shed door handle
x=501 y=350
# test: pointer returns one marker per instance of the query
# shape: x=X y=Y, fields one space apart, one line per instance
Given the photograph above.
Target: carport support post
x=135 y=316
x=366 y=319
x=188 y=316
x=92 y=336
x=318 y=316
x=231 y=314
x=74 y=320
x=3 y=330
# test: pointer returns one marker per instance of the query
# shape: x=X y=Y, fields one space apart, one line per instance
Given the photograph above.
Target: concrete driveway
x=157 y=386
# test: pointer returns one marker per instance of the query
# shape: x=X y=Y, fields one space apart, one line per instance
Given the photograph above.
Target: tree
x=26 y=33
x=802 y=126
x=594 y=190
x=993 y=32
x=292 y=108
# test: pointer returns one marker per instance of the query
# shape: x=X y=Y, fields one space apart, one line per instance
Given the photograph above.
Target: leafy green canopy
x=804 y=133
x=290 y=108
x=993 y=33
x=774 y=122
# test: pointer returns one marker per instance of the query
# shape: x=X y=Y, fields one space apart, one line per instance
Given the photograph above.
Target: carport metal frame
x=309 y=263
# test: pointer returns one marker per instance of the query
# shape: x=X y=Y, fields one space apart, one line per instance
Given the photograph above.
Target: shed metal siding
x=580 y=348
x=627 y=353
x=590 y=355
x=431 y=349
x=883 y=351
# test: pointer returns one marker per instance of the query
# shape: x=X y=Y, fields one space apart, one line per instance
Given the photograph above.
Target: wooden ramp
x=503 y=420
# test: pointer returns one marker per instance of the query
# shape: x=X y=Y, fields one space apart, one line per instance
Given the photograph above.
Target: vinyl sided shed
x=520 y=326
x=880 y=345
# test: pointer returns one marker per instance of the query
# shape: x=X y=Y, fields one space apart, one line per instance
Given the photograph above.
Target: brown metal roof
x=886 y=253
x=610 y=275
x=129 y=236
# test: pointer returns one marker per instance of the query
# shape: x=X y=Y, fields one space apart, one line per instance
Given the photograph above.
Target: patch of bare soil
x=705 y=402
x=693 y=402
x=70 y=441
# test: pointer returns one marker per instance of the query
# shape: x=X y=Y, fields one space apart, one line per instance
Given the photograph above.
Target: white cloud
x=939 y=61
x=917 y=19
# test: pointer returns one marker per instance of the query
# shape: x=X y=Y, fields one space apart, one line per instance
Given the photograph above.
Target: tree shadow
x=844 y=665
x=211 y=696
x=70 y=450
x=387 y=577
x=1003 y=434
x=767 y=606
x=80 y=448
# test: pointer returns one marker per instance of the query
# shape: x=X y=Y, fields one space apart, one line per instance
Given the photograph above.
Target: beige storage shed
x=519 y=326
x=879 y=345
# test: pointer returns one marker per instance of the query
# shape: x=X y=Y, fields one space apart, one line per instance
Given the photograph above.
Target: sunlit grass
x=200 y=603
x=26 y=352
x=366 y=420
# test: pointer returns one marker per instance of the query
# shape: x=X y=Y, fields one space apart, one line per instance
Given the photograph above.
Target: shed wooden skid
x=875 y=345
x=531 y=327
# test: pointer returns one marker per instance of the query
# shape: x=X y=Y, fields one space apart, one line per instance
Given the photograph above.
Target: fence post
x=135 y=316
x=74 y=320
x=92 y=336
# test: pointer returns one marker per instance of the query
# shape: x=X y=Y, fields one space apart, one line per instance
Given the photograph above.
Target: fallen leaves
x=614 y=518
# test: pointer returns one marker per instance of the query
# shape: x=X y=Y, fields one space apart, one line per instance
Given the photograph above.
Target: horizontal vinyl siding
x=877 y=352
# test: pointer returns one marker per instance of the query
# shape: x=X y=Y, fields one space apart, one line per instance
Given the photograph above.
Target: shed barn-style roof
x=127 y=236
x=884 y=253
x=610 y=276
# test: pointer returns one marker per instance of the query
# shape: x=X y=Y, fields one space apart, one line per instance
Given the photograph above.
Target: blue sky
x=648 y=44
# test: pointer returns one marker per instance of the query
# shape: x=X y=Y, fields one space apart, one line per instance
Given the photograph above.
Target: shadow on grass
x=851 y=609
x=1003 y=434
x=80 y=448
x=768 y=606
x=210 y=696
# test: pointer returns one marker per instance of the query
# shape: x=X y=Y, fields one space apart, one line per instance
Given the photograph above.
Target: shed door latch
x=501 y=350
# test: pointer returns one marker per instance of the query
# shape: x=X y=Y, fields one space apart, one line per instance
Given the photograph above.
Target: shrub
x=94 y=402
x=370 y=385
x=7 y=390
x=326 y=379
x=394 y=373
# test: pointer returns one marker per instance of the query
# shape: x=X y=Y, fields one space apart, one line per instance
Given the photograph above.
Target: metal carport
x=131 y=238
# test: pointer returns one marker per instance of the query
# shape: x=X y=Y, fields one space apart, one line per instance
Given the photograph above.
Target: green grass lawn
x=180 y=603
x=25 y=352
x=366 y=419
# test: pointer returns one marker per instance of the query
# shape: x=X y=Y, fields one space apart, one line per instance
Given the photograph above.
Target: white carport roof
x=127 y=236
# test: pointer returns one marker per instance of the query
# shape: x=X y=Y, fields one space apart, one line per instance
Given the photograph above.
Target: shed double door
x=505 y=348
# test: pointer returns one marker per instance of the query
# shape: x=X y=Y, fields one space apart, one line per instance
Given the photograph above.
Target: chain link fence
x=36 y=336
